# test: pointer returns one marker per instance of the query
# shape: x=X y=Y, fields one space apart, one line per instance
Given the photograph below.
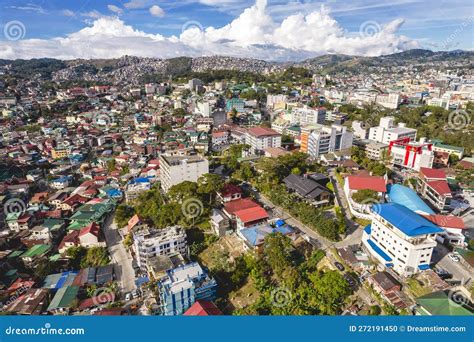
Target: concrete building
x=325 y=139
x=361 y=129
x=387 y=131
x=411 y=155
x=400 y=239
x=183 y=286
x=149 y=242
x=433 y=186
x=376 y=150
x=260 y=138
x=308 y=116
x=177 y=169
x=390 y=101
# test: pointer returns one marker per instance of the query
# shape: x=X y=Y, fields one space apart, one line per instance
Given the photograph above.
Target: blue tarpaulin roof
x=407 y=197
x=405 y=220
x=279 y=223
x=424 y=267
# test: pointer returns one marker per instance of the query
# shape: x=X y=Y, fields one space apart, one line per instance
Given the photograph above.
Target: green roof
x=448 y=147
x=53 y=224
x=64 y=297
x=15 y=254
x=439 y=304
x=36 y=250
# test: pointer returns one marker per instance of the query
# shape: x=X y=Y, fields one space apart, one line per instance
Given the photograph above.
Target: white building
x=177 y=169
x=325 y=139
x=277 y=101
x=260 y=138
x=390 y=101
x=411 y=155
x=148 y=242
x=387 y=131
x=361 y=129
x=204 y=108
x=308 y=116
x=400 y=239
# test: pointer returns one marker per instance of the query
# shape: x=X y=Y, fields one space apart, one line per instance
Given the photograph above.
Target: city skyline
x=270 y=30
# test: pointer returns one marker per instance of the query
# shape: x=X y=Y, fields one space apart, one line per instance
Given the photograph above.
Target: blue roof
x=423 y=267
x=255 y=235
x=368 y=229
x=405 y=196
x=139 y=180
x=407 y=221
x=279 y=223
x=379 y=251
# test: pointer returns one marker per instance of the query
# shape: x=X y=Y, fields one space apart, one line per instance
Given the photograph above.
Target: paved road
x=120 y=257
x=459 y=272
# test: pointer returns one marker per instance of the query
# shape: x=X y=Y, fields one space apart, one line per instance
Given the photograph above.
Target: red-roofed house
x=452 y=226
x=260 y=138
x=230 y=192
x=203 y=308
x=70 y=240
x=232 y=207
x=89 y=236
x=250 y=217
x=432 y=185
x=355 y=183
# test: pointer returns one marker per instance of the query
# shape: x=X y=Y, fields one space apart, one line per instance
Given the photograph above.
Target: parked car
x=339 y=266
x=350 y=280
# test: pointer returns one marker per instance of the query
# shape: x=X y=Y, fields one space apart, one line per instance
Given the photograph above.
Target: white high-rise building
x=308 y=116
x=325 y=139
x=390 y=101
x=260 y=138
x=400 y=238
x=387 y=131
x=148 y=242
x=177 y=169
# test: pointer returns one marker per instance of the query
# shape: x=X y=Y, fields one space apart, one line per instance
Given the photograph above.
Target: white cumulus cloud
x=254 y=33
x=157 y=11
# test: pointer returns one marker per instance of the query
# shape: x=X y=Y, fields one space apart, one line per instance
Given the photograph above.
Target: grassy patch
x=416 y=288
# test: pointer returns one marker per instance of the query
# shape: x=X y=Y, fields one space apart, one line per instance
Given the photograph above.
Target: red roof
x=93 y=229
x=96 y=301
x=252 y=214
x=440 y=186
x=370 y=183
x=433 y=173
x=262 y=131
x=133 y=222
x=446 y=221
x=72 y=237
x=230 y=189
x=241 y=204
x=203 y=308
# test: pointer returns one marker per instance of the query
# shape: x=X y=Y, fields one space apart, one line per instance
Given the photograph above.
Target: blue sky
x=437 y=25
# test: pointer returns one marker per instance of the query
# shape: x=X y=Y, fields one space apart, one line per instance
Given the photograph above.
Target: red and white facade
x=411 y=155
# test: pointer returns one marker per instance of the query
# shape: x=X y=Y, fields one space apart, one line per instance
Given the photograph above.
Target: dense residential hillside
x=136 y=69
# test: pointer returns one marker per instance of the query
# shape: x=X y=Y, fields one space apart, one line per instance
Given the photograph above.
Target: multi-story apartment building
x=183 y=286
x=376 y=150
x=387 y=131
x=260 y=138
x=388 y=100
x=177 y=169
x=149 y=242
x=308 y=116
x=433 y=186
x=411 y=155
x=325 y=139
x=400 y=239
